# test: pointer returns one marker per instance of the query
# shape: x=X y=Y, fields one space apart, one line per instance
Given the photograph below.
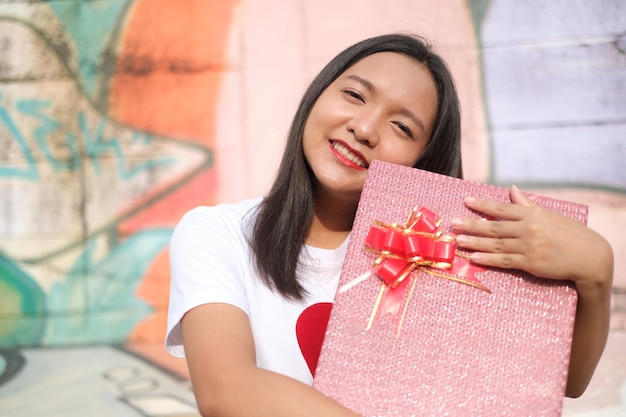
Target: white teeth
x=345 y=152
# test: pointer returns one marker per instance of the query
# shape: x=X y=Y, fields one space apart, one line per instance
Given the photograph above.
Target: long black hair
x=284 y=217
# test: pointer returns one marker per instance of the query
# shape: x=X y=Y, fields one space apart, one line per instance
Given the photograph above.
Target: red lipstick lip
x=345 y=160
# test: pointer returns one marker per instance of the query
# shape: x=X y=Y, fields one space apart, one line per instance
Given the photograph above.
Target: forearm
x=256 y=392
x=226 y=381
x=591 y=327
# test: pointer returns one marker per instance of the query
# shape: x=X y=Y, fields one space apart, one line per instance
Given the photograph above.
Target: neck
x=331 y=223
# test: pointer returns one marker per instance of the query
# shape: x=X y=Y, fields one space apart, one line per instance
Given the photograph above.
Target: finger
x=498 y=260
x=489 y=245
x=488 y=228
x=517 y=197
x=495 y=209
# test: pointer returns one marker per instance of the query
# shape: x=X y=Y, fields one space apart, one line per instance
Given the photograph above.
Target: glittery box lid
x=458 y=351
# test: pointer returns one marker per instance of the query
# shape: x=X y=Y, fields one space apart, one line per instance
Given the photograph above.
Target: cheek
x=311 y=126
x=403 y=153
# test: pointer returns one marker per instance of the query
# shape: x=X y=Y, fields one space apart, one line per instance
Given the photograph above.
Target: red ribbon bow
x=419 y=244
x=402 y=249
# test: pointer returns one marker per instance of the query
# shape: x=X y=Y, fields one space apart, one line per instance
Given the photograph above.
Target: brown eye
x=355 y=95
x=405 y=129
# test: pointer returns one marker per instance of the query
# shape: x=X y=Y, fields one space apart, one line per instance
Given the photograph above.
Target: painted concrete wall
x=117 y=116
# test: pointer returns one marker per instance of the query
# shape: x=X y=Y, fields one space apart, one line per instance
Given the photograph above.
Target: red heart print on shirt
x=310 y=330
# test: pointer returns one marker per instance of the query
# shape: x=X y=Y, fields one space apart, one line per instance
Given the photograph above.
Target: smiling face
x=383 y=107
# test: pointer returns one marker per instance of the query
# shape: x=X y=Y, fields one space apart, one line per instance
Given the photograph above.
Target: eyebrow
x=372 y=88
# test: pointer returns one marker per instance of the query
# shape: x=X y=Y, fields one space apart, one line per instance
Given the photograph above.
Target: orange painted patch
x=169 y=72
x=171 y=58
x=180 y=106
x=155 y=290
x=169 y=66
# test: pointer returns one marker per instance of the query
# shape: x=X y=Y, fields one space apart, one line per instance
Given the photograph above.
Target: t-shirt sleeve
x=206 y=255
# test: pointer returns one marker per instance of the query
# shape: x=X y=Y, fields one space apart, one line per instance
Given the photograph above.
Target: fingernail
x=456 y=222
x=462 y=239
x=476 y=257
x=470 y=200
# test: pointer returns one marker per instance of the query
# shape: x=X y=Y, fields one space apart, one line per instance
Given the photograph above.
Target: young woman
x=242 y=275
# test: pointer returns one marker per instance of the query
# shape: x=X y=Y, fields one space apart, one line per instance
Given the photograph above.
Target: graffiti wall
x=107 y=135
x=117 y=116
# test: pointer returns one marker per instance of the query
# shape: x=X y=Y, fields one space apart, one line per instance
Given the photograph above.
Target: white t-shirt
x=211 y=262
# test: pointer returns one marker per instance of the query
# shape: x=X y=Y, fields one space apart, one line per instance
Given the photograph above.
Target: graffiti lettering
x=96 y=143
x=30 y=173
x=44 y=130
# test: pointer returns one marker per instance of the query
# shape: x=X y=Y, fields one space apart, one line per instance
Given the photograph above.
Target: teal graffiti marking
x=88 y=24
x=96 y=146
x=97 y=302
x=29 y=173
x=95 y=142
x=21 y=306
x=48 y=126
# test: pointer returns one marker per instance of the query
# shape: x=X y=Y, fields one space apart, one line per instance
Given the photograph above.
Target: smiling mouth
x=349 y=155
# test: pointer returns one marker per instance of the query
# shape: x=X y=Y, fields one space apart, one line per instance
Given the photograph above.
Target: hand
x=550 y=245
x=539 y=241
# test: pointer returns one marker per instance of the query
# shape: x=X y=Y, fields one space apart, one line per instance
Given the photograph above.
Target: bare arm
x=226 y=381
x=550 y=245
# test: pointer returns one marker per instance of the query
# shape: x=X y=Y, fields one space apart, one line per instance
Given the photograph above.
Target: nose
x=365 y=128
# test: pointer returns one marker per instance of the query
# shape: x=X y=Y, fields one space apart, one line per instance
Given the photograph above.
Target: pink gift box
x=434 y=346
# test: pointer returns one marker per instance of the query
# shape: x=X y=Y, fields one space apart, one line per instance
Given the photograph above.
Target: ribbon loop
x=392 y=270
x=394 y=243
x=423 y=220
x=413 y=246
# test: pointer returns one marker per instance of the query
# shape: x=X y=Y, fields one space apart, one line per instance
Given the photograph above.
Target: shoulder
x=213 y=227
x=218 y=217
x=225 y=212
